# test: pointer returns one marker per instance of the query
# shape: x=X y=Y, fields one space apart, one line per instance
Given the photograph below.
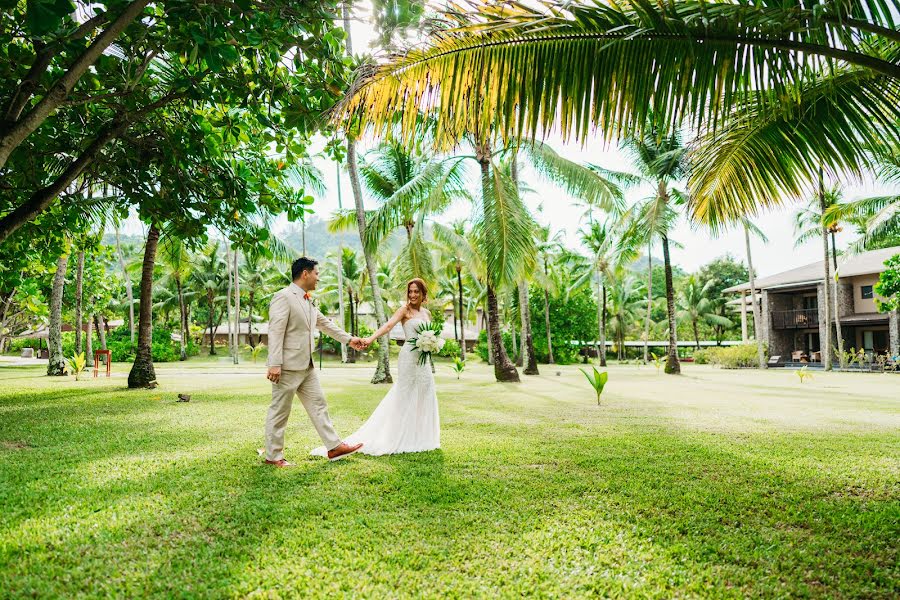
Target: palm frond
x=761 y=156
x=519 y=70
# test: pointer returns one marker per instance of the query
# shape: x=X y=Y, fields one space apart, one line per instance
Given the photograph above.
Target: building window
x=866 y=291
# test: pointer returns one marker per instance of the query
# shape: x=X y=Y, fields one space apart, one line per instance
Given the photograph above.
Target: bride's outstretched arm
x=387 y=326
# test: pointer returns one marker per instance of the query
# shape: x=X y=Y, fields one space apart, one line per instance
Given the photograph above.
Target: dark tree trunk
x=383 y=370
x=547 y=317
x=89 y=342
x=531 y=367
x=250 y=340
x=142 y=373
x=57 y=364
x=696 y=335
x=462 y=315
x=210 y=302
x=672 y=365
x=504 y=370
x=100 y=325
x=182 y=319
x=79 y=298
x=603 y=325
x=351 y=353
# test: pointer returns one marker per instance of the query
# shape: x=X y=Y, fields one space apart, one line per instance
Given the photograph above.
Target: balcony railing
x=795 y=319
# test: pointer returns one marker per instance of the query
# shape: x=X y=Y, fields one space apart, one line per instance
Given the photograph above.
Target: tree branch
x=44 y=197
x=42 y=59
x=57 y=94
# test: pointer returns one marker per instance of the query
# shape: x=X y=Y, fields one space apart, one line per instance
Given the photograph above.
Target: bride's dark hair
x=420 y=283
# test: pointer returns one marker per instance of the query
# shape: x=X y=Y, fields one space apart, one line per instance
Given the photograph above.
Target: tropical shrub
x=728 y=357
x=450 y=349
x=572 y=319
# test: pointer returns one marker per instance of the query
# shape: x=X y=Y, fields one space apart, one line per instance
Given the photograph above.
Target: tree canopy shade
x=518 y=71
x=263 y=67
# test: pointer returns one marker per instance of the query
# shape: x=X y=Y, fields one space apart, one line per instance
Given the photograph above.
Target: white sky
x=698 y=247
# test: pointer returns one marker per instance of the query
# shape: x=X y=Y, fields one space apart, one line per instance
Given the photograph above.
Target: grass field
x=712 y=484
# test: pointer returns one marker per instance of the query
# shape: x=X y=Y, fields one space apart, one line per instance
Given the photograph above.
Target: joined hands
x=359 y=343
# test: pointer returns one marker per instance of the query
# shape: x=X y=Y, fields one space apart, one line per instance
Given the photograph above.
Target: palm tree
x=626 y=303
x=503 y=234
x=818 y=81
x=608 y=254
x=142 y=373
x=208 y=279
x=260 y=276
x=749 y=227
x=57 y=364
x=410 y=188
x=877 y=218
x=548 y=248
x=177 y=264
x=456 y=245
x=660 y=158
x=810 y=222
x=383 y=370
x=696 y=306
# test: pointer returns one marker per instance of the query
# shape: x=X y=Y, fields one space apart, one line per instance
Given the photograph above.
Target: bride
x=406 y=420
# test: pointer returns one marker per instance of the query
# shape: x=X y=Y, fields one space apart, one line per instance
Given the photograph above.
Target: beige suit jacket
x=292 y=321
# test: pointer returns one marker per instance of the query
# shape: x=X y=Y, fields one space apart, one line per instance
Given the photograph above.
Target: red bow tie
x=306 y=296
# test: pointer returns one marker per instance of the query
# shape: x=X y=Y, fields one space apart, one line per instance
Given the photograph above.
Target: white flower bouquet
x=428 y=339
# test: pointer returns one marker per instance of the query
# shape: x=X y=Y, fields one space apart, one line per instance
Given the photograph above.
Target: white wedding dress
x=406 y=419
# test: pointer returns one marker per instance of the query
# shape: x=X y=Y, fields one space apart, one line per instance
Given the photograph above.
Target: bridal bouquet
x=428 y=339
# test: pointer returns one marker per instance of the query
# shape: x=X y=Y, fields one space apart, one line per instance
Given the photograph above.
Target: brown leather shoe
x=279 y=463
x=343 y=451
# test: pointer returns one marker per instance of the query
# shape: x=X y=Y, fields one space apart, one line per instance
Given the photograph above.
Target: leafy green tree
x=888 y=286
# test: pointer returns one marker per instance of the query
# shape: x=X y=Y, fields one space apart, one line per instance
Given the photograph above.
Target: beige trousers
x=306 y=385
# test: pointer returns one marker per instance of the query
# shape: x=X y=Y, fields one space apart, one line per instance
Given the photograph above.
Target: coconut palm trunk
x=100 y=325
x=57 y=364
x=129 y=292
x=649 y=304
x=547 y=317
x=182 y=318
x=383 y=369
x=601 y=320
x=842 y=360
x=79 y=300
x=504 y=369
x=462 y=320
x=757 y=323
x=530 y=359
x=210 y=303
x=672 y=365
x=89 y=342
x=237 y=309
x=826 y=282
x=142 y=373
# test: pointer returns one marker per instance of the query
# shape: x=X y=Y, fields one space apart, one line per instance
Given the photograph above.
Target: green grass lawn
x=715 y=483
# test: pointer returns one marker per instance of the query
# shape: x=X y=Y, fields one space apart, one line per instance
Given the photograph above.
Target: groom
x=292 y=319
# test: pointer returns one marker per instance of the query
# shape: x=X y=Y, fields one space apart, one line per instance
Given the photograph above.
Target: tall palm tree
x=410 y=188
x=383 y=369
x=503 y=233
x=548 y=248
x=749 y=227
x=177 y=264
x=609 y=253
x=259 y=276
x=696 y=306
x=659 y=157
x=626 y=304
x=811 y=222
x=457 y=247
x=209 y=281
x=142 y=373
x=57 y=364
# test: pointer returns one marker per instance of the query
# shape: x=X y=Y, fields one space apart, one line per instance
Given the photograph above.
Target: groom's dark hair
x=301 y=265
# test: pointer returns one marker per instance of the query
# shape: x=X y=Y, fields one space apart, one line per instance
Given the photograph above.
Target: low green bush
x=728 y=357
